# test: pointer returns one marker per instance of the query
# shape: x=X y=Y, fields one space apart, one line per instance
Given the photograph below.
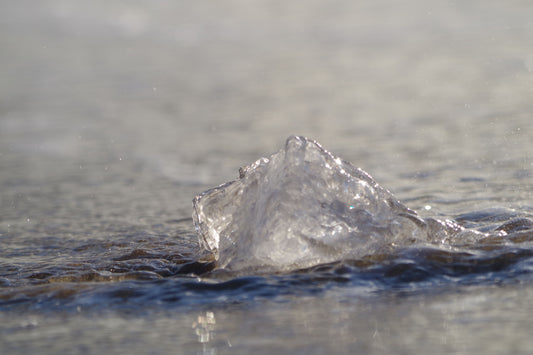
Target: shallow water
x=114 y=116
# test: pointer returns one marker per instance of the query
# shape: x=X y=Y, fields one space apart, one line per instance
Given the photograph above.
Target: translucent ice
x=302 y=207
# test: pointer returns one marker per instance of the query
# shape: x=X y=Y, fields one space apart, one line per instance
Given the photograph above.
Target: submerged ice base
x=302 y=207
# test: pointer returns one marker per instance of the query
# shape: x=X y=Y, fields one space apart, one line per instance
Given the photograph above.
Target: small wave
x=199 y=283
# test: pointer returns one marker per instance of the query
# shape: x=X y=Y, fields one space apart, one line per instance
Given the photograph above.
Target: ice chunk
x=302 y=207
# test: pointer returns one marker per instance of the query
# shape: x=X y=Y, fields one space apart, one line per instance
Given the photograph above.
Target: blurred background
x=110 y=102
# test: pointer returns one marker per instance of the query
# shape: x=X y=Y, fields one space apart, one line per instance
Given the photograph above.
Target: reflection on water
x=205 y=328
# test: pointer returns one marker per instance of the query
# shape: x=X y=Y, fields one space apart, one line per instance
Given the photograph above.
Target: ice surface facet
x=298 y=208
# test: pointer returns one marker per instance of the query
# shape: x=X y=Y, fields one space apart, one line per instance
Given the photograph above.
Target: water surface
x=114 y=116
